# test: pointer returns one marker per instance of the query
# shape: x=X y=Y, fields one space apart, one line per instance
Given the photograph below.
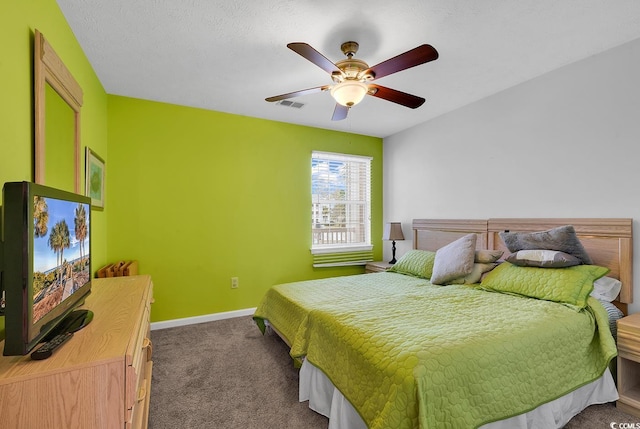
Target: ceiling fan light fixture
x=351 y=76
x=349 y=92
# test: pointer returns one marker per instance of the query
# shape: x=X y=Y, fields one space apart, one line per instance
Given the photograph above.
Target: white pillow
x=454 y=260
x=606 y=288
x=475 y=275
x=487 y=256
x=542 y=258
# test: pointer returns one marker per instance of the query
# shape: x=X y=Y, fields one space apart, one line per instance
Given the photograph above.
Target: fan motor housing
x=351 y=69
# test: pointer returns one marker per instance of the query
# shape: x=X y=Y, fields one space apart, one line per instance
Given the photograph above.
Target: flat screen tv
x=45 y=259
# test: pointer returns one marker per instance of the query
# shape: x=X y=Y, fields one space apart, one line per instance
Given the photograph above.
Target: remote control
x=47 y=349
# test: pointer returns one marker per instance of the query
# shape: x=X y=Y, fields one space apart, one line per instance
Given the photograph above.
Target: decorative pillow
x=417 y=263
x=488 y=256
x=454 y=260
x=571 y=285
x=542 y=259
x=475 y=275
x=606 y=289
x=562 y=238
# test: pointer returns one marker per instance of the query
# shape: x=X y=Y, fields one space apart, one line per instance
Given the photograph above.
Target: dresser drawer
x=140 y=415
x=139 y=371
x=629 y=342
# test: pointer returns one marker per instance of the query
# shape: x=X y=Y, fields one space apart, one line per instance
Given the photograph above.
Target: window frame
x=344 y=248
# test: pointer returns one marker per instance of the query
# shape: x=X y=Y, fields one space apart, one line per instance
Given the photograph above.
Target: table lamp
x=393 y=232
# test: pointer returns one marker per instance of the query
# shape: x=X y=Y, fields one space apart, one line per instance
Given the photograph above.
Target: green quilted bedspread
x=408 y=354
x=287 y=306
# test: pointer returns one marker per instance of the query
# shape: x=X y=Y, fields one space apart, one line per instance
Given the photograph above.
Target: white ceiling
x=229 y=55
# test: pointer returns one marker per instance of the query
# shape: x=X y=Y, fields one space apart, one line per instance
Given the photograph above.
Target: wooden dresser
x=100 y=378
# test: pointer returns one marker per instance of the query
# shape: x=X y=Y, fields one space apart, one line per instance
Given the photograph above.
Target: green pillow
x=570 y=285
x=417 y=263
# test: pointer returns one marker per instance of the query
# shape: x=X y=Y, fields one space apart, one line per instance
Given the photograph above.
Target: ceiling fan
x=352 y=76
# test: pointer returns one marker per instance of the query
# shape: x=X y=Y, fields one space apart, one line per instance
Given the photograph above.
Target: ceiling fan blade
x=340 y=112
x=314 y=56
x=396 y=96
x=299 y=93
x=416 y=56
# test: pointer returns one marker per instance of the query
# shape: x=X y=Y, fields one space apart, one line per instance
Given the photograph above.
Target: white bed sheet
x=325 y=399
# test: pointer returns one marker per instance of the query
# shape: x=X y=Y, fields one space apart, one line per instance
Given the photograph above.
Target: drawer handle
x=142 y=393
x=147 y=344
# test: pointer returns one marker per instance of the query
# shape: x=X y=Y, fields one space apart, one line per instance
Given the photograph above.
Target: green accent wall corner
x=198 y=197
x=18 y=22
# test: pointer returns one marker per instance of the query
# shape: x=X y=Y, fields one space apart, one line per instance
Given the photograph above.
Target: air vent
x=293 y=104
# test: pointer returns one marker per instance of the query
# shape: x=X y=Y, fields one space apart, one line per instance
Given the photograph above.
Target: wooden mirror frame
x=49 y=68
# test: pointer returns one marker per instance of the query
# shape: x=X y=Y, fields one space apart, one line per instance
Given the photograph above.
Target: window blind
x=340 y=209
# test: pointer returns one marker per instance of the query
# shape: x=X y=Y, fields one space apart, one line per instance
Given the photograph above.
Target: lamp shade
x=349 y=93
x=392 y=231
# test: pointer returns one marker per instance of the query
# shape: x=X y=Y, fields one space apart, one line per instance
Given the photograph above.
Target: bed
x=393 y=350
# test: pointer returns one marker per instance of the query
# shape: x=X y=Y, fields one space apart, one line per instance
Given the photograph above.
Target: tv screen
x=46 y=262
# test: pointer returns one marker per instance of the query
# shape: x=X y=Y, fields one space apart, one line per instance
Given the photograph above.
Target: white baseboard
x=201 y=319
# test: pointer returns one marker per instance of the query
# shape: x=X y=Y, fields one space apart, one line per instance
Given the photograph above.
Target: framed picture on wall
x=94 y=176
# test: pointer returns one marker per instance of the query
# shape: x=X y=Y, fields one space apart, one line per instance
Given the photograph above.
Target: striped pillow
x=614 y=314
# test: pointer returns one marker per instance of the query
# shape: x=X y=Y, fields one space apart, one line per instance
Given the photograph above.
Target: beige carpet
x=226 y=375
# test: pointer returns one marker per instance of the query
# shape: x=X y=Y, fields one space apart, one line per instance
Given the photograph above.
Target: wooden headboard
x=432 y=234
x=609 y=241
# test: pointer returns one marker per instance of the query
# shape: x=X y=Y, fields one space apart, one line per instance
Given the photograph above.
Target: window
x=340 y=209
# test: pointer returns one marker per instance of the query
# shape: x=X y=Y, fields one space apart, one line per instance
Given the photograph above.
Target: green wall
x=198 y=197
x=59 y=135
x=18 y=21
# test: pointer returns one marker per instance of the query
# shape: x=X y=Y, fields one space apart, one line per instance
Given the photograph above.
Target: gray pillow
x=454 y=260
x=562 y=238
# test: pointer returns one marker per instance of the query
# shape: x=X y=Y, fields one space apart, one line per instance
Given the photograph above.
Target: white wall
x=566 y=144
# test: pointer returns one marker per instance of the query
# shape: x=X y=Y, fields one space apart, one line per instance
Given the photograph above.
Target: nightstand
x=629 y=364
x=377 y=267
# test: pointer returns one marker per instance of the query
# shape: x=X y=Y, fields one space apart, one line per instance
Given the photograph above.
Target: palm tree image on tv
x=81 y=226
x=61 y=259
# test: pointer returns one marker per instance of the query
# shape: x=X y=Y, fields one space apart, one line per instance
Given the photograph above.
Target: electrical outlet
x=234 y=283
